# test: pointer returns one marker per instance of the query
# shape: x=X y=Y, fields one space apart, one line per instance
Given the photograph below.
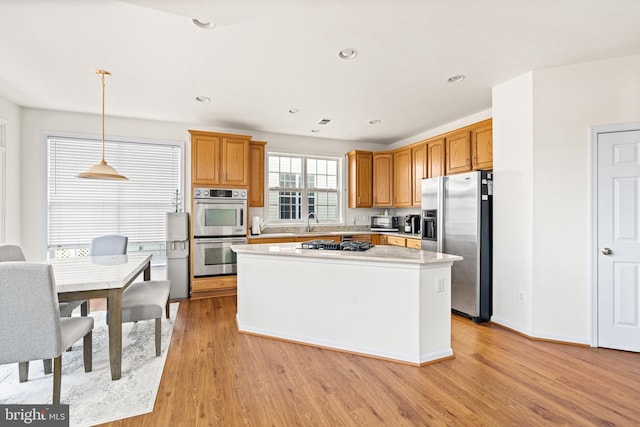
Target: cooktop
x=330 y=245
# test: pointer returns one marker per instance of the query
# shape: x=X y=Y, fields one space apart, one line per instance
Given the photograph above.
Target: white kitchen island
x=389 y=302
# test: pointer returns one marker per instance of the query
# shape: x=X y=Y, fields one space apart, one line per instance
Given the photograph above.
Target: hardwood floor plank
x=215 y=376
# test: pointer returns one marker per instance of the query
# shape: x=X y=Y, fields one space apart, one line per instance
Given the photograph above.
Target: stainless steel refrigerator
x=457 y=219
x=178 y=254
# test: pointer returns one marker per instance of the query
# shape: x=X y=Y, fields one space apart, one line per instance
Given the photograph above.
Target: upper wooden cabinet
x=402 y=178
x=419 y=171
x=435 y=158
x=398 y=174
x=219 y=159
x=482 y=147
x=383 y=179
x=256 y=173
x=458 y=148
x=360 y=179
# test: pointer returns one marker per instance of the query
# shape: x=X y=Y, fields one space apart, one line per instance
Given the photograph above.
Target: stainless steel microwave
x=384 y=223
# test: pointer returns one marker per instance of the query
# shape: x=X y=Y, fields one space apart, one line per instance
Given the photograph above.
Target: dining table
x=83 y=278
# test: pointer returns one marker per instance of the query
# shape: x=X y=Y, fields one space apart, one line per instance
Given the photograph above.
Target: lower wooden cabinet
x=216 y=286
x=378 y=239
x=414 y=243
x=407 y=242
x=396 y=241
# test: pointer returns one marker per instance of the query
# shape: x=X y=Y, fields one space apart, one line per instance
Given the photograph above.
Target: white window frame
x=158 y=248
x=305 y=191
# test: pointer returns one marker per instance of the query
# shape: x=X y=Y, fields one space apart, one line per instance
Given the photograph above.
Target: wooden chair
x=30 y=324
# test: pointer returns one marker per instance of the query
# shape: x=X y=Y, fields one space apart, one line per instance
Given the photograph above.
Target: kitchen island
x=388 y=302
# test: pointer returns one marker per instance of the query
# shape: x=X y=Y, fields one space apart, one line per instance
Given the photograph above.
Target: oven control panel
x=220 y=193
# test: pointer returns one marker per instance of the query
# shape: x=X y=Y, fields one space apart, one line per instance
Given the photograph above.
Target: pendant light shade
x=102 y=170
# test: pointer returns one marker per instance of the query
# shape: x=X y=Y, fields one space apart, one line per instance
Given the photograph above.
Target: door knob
x=607 y=251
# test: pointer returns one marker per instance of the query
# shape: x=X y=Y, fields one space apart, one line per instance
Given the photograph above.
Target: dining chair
x=147 y=300
x=10 y=252
x=141 y=300
x=112 y=244
x=30 y=324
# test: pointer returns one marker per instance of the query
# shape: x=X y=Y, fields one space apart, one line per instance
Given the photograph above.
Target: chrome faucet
x=311 y=214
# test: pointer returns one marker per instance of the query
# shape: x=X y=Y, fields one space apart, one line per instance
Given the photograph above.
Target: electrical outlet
x=522 y=297
x=439 y=284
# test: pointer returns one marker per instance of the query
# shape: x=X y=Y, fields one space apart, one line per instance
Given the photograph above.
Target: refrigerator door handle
x=440 y=217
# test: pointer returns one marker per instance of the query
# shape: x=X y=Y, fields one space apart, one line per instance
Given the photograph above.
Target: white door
x=618 y=240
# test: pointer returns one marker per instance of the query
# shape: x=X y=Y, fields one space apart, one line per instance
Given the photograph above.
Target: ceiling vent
x=324 y=122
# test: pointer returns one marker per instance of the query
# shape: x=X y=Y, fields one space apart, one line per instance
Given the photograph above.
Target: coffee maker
x=413 y=224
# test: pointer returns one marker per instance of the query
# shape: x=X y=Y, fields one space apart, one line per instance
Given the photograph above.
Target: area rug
x=93 y=398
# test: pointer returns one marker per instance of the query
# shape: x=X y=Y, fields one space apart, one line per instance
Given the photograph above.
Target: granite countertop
x=381 y=253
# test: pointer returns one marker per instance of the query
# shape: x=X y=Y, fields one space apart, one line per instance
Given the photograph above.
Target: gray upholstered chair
x=30 y=324
x=112 y=244
x=147 y=300
x=142 y=300
x=14 y=253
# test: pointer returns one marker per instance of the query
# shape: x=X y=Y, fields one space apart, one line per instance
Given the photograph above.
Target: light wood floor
x=215 y=376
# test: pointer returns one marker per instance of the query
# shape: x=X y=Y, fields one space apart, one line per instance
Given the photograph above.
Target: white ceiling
x=267 y=56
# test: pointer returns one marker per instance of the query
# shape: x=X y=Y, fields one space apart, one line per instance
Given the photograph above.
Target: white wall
x=35 y=123
x=11 y=114
x=566 y=102
x=513 y=202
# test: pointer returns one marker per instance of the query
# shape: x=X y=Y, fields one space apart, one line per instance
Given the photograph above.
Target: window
x=299 y=185
x=80 y=209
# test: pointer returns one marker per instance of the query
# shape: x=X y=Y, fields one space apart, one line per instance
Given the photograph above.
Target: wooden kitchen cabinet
x=215 y=286
x=435 y=158
x=256 y=174
x=383 y=179
x=418 y=171
x=360 y=179
x=402 y=179
x=219 y=159
x=396 y=241
x=414 y=243
x=482 y=147
x=458 y=149
x=378 y=239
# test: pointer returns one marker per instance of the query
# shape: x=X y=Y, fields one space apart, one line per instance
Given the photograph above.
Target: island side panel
x=363 y=307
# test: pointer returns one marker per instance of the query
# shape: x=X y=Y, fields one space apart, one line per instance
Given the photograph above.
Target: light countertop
x=382 y=253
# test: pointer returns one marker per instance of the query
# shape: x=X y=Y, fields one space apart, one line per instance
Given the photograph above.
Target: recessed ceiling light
x=315 y=130
x=375 y=122
x=348 y=53
x=456 y=79
x=203 y=98
x=324 y=121
x=205 y=25
x=293 y=110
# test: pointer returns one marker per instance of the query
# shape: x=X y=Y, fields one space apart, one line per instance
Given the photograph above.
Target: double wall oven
x=219 y=221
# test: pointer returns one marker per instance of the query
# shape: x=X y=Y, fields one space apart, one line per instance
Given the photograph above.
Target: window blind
x=80 y=209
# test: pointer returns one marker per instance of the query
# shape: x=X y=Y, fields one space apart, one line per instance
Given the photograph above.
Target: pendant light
x=102 y=170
